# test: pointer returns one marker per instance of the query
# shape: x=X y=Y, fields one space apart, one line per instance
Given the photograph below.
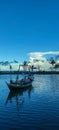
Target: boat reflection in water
x=18 y=96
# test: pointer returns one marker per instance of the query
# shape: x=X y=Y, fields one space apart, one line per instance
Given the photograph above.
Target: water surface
x=32 y=109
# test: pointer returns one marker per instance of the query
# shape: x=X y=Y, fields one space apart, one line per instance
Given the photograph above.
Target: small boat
x=17 y=86
x=20 y=84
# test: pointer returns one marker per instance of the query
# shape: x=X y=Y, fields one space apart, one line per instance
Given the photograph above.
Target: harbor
x=29 y=65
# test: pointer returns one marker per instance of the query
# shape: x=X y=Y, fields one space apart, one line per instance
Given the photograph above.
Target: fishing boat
x=20 y=84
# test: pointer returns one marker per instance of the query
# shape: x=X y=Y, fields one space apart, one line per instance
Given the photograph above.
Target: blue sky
x=28 y=26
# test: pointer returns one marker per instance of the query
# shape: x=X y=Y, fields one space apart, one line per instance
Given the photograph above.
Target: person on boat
x=30 y=77
x=11 y=81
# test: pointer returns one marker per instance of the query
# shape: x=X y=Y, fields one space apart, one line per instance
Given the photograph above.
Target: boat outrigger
x=20 y=84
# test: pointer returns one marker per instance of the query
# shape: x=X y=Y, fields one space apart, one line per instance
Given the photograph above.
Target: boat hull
x=18 y=86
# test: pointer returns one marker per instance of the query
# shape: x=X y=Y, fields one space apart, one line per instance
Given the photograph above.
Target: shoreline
x=27 y=72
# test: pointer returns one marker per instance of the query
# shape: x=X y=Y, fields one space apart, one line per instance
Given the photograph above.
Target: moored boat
x=17 y=86
x=20 y=84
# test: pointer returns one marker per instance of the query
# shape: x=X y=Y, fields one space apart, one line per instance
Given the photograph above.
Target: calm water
x=36 y=108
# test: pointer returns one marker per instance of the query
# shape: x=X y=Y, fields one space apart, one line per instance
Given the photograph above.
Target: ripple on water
x=33 y=109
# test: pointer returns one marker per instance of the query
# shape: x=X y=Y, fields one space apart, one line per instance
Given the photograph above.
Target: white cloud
x=36 y=55
x=40 y=56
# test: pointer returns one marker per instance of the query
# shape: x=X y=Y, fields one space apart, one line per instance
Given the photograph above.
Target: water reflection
x=18 y=96
x=54 y=83
x=45 y=82
x=28 y=109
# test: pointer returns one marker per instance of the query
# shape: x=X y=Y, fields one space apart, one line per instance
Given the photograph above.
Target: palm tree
x=52 y=62
x=32 y=67
x=25 y=65
x=10 y=67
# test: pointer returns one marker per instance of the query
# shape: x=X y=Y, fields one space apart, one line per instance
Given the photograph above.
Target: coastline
x=26 y=72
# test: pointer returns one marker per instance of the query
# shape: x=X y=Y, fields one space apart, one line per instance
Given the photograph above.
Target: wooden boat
x=20 y=84
x=17 y=86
